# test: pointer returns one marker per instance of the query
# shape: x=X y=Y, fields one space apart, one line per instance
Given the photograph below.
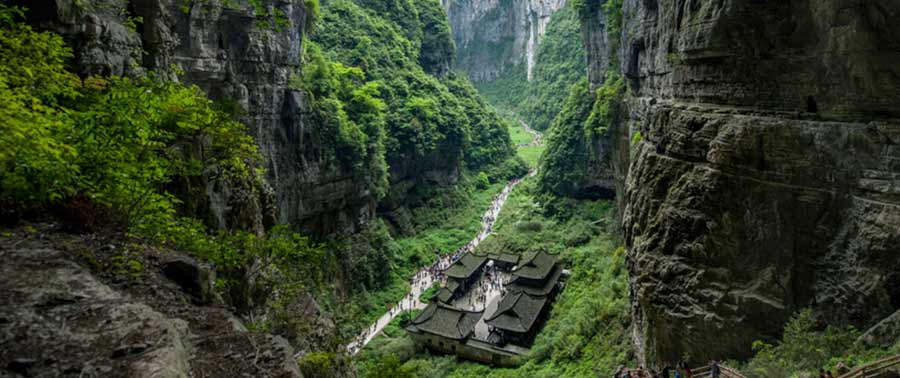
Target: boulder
x=196 y=279
x=59 y=320
x=884 y=334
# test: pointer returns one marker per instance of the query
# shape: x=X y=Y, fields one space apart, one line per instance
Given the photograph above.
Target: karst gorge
x=450 y=188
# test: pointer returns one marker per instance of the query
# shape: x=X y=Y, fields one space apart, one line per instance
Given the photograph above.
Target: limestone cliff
x=768 y=176
x=494 y=35
x=242 y=56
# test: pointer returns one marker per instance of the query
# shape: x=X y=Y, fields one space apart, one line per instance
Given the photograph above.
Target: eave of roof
x=535 y=266
x=517 y=312
x=446 y=321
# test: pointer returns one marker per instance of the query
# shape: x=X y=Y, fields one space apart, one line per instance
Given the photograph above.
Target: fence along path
x=870 y=370
x=873 y=369
x=700 y=372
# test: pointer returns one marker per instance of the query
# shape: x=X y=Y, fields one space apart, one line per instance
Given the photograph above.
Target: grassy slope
x=530 y=154
x=518 y=134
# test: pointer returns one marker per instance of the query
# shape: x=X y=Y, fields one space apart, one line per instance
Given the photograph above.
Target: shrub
x=482 y=181
x=318 y=364
x=429 y=293
x=805 y=347
x=61 y=142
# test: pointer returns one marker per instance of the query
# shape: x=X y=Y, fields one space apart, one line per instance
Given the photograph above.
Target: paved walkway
x=425 y=277
x=536 y=137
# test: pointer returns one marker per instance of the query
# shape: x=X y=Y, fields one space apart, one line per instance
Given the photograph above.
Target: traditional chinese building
x=524 y=308
x=461 y=276
x=508 y=328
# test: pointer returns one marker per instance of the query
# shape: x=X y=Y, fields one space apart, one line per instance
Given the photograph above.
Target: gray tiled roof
x=517 y=312
x=467 y=265
x=444 y=295
x=508 y=258
x=535 y=266
x=549 y=283
x=452 y=285
x=446 y=321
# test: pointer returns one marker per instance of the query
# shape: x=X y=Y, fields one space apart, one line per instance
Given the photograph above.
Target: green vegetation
x=430 y=121
x=586 y=117
x=350 y=113
x=614 y=18
x=429 y=293
x=587 y=332
x=62 y=146
x=445 y=223
x=607 y=106
x=807 y=347
x=124 y=154
x=565 y=162
x=518 y=134
x=529 y=154
x=560 y=61
x=393 y=57
x=388 y=349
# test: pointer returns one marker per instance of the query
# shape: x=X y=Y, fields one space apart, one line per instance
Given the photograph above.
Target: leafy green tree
x=429 y=121
x=564 y=163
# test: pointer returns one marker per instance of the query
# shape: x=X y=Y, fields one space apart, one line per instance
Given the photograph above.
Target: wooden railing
x=700 y=372
x=873 y=369
x=724 y=372
x=870 y=370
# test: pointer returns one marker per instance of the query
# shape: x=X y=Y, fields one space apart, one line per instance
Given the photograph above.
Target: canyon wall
x=599 y=158
x=240 y=57
x=767 y=178
x=492 y=36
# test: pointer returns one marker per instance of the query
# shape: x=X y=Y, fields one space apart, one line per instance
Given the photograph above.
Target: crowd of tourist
x=425 y=277
x=492 y=282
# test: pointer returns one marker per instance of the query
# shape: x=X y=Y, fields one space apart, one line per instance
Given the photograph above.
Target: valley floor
x=593 y=303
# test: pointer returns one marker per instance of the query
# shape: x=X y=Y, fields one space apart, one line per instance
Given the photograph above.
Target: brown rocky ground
x=102 y=306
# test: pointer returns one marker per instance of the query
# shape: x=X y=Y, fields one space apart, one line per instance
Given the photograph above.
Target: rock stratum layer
x=768 y=177
x=493 y=35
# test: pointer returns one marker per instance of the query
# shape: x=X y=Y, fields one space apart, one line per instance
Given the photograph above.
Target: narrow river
x=422 y=280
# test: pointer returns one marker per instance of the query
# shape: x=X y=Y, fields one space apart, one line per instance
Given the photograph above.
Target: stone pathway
x=536 y=137
x=423 y=279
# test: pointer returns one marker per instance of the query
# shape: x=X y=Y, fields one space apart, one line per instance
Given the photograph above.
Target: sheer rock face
x=494 y=35
x=768 y=178
x=237 y=57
